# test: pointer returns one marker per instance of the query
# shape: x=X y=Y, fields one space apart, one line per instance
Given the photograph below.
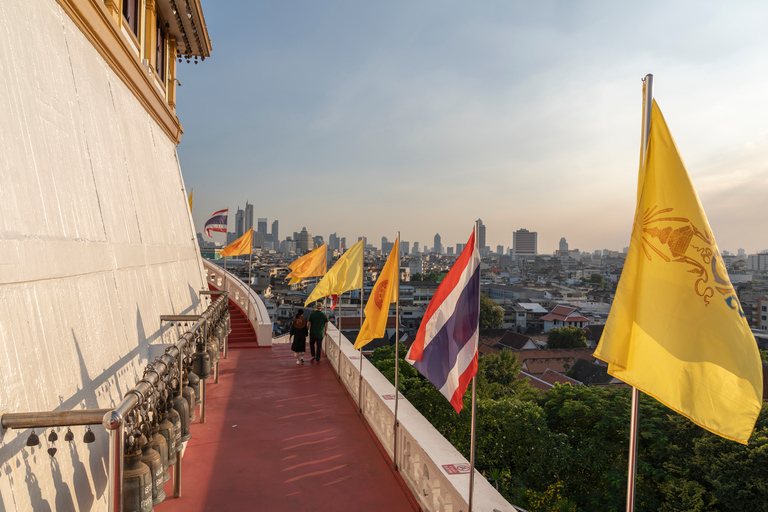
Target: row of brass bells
x=194 y=383
x=151 y=458
x=34 y=439
x=175 y=432
x=160 y=445
x=137 y=483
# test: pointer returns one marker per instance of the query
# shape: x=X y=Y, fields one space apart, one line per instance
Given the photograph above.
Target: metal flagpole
x=397 y=351
x=635 y=407
x=248 y=305
x=338 y=345
x=360 y=377
x=473 y=427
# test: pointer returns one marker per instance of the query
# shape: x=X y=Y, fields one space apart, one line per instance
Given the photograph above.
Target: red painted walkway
x=283 y=437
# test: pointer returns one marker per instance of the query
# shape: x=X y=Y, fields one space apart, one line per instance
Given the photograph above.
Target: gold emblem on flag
x=679 y=235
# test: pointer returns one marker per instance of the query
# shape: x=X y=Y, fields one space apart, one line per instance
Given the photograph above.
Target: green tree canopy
x=491 y=314
x=566 y=337
x=597 y=279
x=497 y=376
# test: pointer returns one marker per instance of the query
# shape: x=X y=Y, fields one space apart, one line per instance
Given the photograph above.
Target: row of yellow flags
x=676 y=330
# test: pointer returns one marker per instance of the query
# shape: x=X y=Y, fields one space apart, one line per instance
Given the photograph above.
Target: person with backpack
x=299 y=334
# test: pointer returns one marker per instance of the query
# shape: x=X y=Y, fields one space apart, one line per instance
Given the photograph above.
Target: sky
x=421 y=116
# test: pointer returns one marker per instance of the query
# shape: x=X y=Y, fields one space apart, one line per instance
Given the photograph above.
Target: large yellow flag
x=310 y=265
x=240 y=246
x=191 y=192
x=345 y=275
x=676 y=329
x=383 y=294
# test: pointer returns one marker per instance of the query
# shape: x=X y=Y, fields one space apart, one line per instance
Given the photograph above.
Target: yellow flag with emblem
x=384 y=293
x=345 y=275
x=240 y=246
x=676 y=330
x=310 y=265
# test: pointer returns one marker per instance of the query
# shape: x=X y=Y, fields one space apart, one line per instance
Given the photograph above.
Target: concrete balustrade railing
x=245 y=298
x=422 y=452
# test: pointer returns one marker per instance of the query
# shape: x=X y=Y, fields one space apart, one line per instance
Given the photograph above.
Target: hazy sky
x=366 y=118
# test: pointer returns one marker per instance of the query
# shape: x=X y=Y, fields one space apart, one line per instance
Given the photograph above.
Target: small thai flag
x=445 y=350
x=217 y=222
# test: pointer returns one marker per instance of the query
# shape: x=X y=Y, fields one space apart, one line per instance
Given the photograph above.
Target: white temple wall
x=96 y=242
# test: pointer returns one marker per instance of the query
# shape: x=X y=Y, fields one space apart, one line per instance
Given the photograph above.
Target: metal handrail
x=114 y=419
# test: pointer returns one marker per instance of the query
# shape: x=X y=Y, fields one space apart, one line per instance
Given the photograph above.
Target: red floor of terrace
x=283 y=437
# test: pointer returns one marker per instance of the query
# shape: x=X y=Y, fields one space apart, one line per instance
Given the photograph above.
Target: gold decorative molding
x=93 y=18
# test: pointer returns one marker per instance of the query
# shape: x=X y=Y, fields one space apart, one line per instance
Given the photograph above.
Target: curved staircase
x=242 y=335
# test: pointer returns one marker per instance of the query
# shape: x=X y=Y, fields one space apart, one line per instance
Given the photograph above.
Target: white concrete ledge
x=421 y=450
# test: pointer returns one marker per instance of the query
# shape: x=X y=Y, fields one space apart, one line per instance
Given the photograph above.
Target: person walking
x=299 y=335
x=318 y=324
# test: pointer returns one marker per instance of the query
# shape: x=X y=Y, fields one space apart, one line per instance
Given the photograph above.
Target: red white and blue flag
x=217 y=222
x=445 y=350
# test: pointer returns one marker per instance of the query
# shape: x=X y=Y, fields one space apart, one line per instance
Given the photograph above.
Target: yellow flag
x=310 y=265
x=676 y=330
x=240 y=246
x=383 y=294
x=190 y=199
x=345 y=275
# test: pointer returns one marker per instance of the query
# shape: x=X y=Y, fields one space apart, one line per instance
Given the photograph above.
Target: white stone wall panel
x=96 y=242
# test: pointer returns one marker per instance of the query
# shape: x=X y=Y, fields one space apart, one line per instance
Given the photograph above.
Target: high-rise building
x=450 y=251
x=275 y=236
x=405 y=247
x=524 y=242
x=304 y=241
x=438 y=244
x=459 y=248
x=333 y=242
x=415 y=248
x=248 y=220
x=563 y=245
x=239 y=222
x=365 y=241
x=500 y=250
x=343 y=243
x=317 y=241
x=384 y=242
x=480 y=234
x=262 y=227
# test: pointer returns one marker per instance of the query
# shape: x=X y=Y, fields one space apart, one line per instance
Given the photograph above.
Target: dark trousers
x=312 y=342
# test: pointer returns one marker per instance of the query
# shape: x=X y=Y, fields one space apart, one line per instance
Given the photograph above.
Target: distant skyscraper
x=365 y=241
x=275 y=236
x=262 y=227
x=450 y=251
x=438 y=244
x=405 y=247
x=317 y=241
x=524 y=242
x=415 y=248
x=480 y=234
x=383 y=243
x=563 y=245
x=248 y=223
x=500 y=250
x=343 y=243
x=304 y=241
x=239 y=222
x=459 y=248
x=333 y=242
x=741 y=252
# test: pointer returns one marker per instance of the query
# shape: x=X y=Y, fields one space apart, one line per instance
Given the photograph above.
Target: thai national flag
x=217 y=222
x=445 y=350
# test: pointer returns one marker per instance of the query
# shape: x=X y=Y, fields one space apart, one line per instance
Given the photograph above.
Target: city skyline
x=422 y=117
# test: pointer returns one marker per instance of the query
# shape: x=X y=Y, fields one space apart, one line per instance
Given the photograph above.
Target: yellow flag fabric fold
x=384 y=293
x=191 y=192
x=311 y=264
x=240 y=246
x=345 y=275
x=676 y=330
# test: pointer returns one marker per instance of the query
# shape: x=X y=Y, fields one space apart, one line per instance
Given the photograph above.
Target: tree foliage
x=567 y=449
x=491 y=314
x=566 y=337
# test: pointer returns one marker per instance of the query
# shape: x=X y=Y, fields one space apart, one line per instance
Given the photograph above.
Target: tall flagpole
x=360 y=377
x=248 y=304
x=473 y=427
x=397 y=351
x=635 y=407
x=338 y=345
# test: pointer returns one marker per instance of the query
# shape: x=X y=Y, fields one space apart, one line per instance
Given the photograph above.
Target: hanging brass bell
x=53 y=436
x=89 y=436
x=194 y=383
x=137 y=483
x=69 y=436
x=33 y=440
x=151 y=458
x=181 y=406
x=189 y=395
x=160 y=445
x=201 y=364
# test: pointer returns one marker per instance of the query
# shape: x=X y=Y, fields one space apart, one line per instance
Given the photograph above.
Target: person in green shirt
x=318 y=324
